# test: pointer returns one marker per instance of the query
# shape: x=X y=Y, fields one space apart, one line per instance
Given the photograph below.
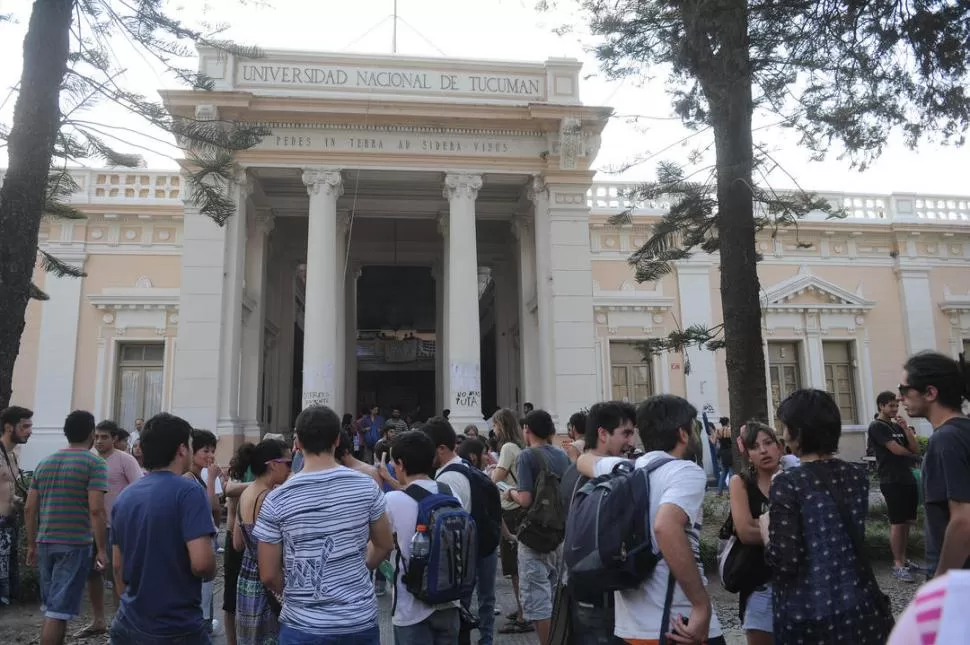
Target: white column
x=464 y=338
x=505 y=306
x=282 y=409
x=814 y=352
x=350 y=325
x=254 y=330
x=230 y=355
x=340 y=302
x=917 y=303
x=320 y=332
x=56 y=359
x=695 y=293
x=539 y=195
x=444 y=375
x=528 y=321
x=441 y=366
x=195 y=380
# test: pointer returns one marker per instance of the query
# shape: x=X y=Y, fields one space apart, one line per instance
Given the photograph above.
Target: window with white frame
x=141 y=378
x=631 y=375
x=840 y=377
x=784 y=370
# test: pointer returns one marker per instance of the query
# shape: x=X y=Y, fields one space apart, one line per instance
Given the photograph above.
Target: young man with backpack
x=540 y=470
x=479 y=496
x=672 y=599
x=610 y=432
x=417 y=622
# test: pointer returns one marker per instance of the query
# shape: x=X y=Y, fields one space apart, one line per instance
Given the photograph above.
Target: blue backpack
x=449 y=571
x=608 y=546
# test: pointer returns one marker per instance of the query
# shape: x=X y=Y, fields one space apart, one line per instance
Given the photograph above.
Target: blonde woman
x=511 y=442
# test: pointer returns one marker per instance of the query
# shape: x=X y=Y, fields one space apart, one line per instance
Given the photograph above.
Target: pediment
x=955 y=302
x=807 y=292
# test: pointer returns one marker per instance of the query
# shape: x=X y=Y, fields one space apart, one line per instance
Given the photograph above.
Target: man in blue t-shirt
x=161 y=534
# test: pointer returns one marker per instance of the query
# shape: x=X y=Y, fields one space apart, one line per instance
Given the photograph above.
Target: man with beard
x=15 y=428
x=665 y=424
x=933 y=388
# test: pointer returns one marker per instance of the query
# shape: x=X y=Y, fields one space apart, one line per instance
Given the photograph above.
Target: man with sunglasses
x=934 y=388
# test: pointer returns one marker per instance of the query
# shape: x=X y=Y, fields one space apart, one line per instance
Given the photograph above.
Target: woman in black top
x=823 y=589
x=749 y=500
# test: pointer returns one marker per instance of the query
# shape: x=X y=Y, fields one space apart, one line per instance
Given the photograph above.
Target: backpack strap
x=668 y=603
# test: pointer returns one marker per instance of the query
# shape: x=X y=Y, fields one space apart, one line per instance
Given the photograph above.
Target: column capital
x=443 y=223
x=327 y=180
x=462 y=186
x=537 y=188
x=265 y=220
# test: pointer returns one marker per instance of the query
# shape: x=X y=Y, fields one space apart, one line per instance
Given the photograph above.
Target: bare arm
x=117 y=566
x=956 y=540
x=521 y=497
x=670 y=527
x=99 y=523
x=911 y=441
x=381 y=541
x=31 y=512
x=210 y=489
x=499 y=474
x=270 y=559
x=202 y=557
x=899 y=450
x=747 y=528
x=234 y=489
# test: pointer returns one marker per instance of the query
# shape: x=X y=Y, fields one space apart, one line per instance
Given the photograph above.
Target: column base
x=229 y=432
x=252 y=431
x=460 y=419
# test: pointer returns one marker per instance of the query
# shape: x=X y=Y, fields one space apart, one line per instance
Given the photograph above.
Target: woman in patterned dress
x=256 y=622
x=822 y=592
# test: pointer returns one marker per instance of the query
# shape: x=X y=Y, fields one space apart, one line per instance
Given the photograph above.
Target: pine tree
x=843 y=74
x=68 y=68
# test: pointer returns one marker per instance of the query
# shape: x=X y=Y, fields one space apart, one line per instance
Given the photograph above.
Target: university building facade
x=429 y=234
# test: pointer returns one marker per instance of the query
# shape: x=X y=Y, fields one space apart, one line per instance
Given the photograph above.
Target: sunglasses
x=281 y=460
x=905 y=389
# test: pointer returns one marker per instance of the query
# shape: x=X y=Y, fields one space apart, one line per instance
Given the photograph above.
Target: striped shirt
x=322 y=519
x=937 y=615
x=63 y=481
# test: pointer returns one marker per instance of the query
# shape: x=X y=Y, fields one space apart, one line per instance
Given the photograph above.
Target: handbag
x=561 y=626
x=881 y=600
x=741 y=566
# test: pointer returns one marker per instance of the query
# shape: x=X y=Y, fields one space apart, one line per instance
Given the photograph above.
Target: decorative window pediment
x=956 y=303
x=141 y=306
x=807 y=292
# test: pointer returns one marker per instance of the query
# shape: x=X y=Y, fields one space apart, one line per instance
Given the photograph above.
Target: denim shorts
x=538 y=578
x=64 y=570
x=757 y=613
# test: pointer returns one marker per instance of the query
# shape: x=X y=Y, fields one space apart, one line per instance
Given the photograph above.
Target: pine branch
x=37 y=294
x=59 y=268
x=680 y=340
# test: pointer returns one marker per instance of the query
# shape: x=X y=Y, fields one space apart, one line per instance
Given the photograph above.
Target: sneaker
x=903 y=574
x=912 y=566
x=220 y=550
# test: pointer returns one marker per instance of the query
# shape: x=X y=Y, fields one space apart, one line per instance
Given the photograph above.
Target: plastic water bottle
x=420 y=543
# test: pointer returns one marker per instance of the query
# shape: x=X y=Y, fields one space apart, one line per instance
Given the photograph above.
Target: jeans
x=122 y=633
x=715 y=463
x=485 y=586
x=724 y=482
x=290 y=636
x=440 y=628
x=64 y=570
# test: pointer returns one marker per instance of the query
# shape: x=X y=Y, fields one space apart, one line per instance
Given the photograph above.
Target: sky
x=500 y=30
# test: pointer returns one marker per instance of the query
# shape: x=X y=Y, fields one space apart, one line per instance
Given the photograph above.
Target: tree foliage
x=845 y=75
x=71 y=66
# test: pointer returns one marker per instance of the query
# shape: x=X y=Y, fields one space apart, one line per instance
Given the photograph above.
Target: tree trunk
x=728 y=89
x=36 y=120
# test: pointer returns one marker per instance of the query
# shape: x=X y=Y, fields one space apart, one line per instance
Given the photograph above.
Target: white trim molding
x=779 y=298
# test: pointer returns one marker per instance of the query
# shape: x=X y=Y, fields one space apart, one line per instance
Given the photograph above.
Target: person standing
x=16 y=424
x=123 y=470
x=323 y=532
x=416 y=623
x=270 y=462
x=161 y=536
x=65 y=514
x=934 y=388
x=539 y=571
x=896 y=450
x=725 y=455
x=204 y=471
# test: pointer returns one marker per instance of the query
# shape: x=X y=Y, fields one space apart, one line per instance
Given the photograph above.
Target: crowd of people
x=318 y=526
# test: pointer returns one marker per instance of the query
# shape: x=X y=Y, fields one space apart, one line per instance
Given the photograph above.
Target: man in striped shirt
x=65 y=506
x=323 y=532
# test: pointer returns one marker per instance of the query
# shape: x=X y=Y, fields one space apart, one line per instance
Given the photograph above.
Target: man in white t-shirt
x=415 y=623
x=665 y=425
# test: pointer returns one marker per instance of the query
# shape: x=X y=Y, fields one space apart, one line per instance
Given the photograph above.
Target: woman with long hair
x=823 y=589
x=257 y=612
x=749 y=500
x=511 y=443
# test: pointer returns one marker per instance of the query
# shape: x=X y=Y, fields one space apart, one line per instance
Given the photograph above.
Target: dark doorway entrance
x=396 y=339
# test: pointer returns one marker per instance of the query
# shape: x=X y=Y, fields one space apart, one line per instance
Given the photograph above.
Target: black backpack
x=486 y=507
x=608 y=545
x=544 y=525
